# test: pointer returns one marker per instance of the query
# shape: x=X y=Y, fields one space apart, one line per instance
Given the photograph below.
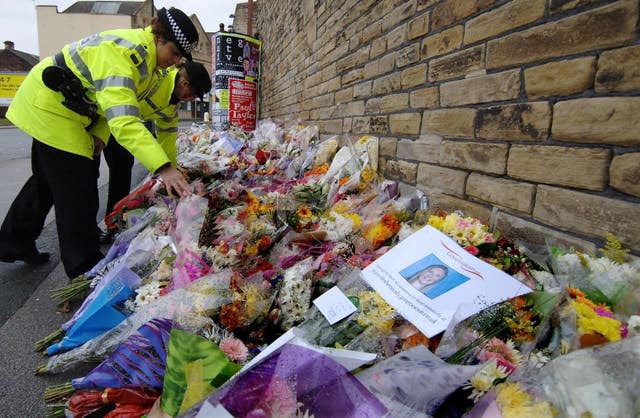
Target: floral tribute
x=277 y=218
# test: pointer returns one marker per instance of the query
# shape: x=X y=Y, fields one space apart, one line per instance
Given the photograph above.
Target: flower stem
x=42 y=344
x=70 y=291
x=56 y=410
x=55 y=393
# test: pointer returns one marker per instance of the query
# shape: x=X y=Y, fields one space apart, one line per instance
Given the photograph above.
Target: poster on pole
x=428 y=278
x=235 y=57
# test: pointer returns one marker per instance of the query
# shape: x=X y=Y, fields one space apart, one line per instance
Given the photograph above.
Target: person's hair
x=159 y=30
x=417 y=275
x=440 y=266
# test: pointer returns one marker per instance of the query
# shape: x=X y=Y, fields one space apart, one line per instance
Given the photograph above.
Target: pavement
x=27 y=313
x=34 y=317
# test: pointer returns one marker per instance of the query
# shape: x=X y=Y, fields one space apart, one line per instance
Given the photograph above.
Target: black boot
x=34 y=258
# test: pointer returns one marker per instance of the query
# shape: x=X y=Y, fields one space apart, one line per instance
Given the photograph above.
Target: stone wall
x=525 y=113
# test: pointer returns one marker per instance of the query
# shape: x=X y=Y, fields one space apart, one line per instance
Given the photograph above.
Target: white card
x=334 y=305
x=207 y=411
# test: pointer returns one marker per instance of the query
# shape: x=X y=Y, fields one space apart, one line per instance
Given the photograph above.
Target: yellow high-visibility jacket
x=119 y=69
x=157 y=106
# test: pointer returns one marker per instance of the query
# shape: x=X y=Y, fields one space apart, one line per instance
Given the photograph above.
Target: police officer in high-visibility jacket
x=183 y=83
x=117 y=69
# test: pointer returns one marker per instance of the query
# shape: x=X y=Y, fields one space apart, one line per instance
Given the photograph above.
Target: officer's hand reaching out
x=174 y=181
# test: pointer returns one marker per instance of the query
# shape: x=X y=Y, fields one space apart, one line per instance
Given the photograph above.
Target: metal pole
x=250 y=18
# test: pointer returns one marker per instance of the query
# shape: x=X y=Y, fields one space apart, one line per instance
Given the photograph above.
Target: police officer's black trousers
x=68 y=182
x=120 y=162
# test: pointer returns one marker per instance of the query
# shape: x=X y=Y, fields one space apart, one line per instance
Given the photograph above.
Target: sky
x=18 y=17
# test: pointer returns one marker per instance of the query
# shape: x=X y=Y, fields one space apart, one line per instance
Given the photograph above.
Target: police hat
x=181 y=30
x=198 y=77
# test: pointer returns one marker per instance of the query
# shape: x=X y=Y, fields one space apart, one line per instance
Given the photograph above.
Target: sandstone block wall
x=525 y=113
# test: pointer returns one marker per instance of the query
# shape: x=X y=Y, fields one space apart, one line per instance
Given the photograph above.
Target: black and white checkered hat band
x=180 y=37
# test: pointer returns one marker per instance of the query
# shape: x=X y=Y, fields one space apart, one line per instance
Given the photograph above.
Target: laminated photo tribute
x=428 y=277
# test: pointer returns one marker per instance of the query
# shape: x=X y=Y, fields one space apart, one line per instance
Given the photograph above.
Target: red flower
x=262 y=156
x=264 y=243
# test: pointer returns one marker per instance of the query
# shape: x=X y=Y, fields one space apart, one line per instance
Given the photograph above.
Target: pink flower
x=278 y=399
x=463 y=223
x=603 y=312
x=234 y=349
x=624 y=331
x=504 y=353
x=472 y=250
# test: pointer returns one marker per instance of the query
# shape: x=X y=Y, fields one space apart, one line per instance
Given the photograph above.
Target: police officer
x=117 y=68
x=184 y=83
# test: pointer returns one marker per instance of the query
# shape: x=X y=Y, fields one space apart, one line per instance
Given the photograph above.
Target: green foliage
x=613 y=249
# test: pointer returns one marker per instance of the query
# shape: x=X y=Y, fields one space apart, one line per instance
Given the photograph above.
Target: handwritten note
x=334 y=305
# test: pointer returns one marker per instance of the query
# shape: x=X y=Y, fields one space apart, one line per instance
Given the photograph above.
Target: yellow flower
x=251 y=250
x=436 y=222
x=450 y=223
x=357 y=221
x=483 y=380
x=510 y=395
x=340 y=207
x=590 y=322
x=516 y=403
x=366 y=176
x=254 y=298
x=252 y=203
x=375 y=312
x=364 y=139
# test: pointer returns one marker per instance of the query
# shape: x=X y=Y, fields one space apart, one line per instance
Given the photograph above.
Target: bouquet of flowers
x=364 y=330
x=293 y=381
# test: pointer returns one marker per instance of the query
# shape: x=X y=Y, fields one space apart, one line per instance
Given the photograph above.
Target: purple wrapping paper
x=293 y=379
x=139 y=362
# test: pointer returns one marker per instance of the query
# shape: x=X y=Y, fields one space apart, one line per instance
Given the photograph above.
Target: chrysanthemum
x=484 y=379
x=234 y=349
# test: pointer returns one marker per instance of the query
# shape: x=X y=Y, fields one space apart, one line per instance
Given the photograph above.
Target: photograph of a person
x=432 y=277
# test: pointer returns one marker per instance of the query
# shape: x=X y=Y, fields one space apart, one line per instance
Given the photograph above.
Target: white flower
x=405 y=231
x=295 y=294
x=484 y=379
x=221 y=257
x=538 y=359
x=337 y=226
x=546 y=279
x=634 y=323
x=130 y=305
x=147 y=293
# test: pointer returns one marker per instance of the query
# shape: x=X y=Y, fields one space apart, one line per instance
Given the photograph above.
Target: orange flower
x=304 y=212
x=575 y=293
x=343 y=181
x=519 y=303
x=414 y=340
x=384 y=229
x=231 y=315
x=318 y=171
x=391 y=222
